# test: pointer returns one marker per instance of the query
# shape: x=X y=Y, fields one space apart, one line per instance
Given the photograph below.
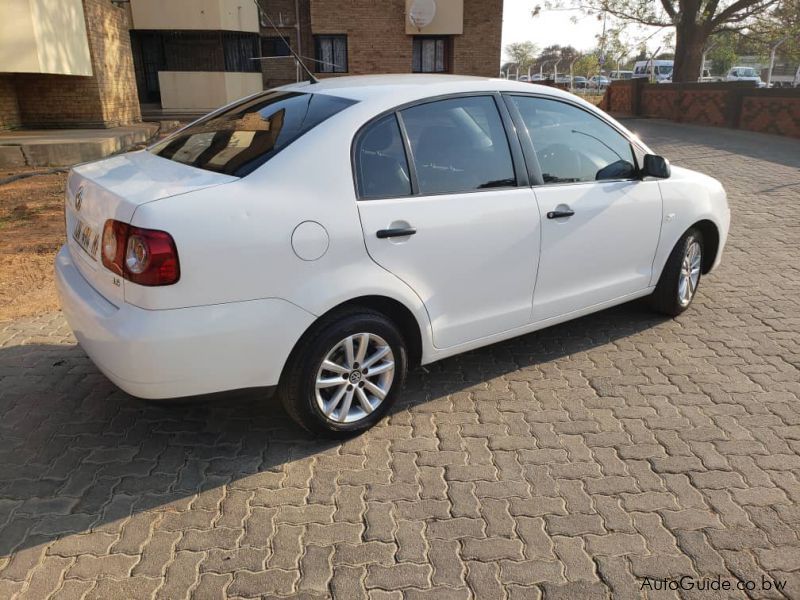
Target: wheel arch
x=391 y=308
x=710 y=233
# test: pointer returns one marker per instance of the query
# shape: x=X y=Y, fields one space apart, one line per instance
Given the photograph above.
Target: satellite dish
x=421 y=13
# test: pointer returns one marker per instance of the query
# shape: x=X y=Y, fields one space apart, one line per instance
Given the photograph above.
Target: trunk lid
x=112 y=189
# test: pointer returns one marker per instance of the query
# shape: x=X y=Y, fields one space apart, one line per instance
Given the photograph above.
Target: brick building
x=193 y=55
x=65 y=64
x=362 y=37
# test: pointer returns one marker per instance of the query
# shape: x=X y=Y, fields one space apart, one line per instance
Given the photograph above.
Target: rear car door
x=601 y=222
x=445 y=205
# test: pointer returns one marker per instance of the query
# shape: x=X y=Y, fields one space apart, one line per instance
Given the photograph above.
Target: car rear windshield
x=244 y=136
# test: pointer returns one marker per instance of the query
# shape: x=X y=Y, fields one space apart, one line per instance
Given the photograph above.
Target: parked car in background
x=563 y=79
x=659 y=71
x=598 y=82
x=616 y=75
x=523 y=78
x=745 y=74
x=538 y=77
x=445 y=213
x=579 y=82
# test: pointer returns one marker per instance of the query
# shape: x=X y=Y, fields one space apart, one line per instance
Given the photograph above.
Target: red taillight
x=143 y=256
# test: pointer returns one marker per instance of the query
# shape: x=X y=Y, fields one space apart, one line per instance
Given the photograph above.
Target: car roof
x=376 y=94
x=412 y=87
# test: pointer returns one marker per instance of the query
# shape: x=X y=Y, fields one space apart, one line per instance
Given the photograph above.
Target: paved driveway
x=569 y=463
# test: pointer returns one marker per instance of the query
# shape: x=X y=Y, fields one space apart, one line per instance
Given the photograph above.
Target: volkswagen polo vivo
x=320 y=238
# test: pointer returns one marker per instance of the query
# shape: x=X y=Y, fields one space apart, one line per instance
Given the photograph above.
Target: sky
x=556 y=27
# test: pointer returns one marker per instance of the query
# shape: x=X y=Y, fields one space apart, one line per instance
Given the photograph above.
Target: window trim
x=446 y=58
x=318 y=37
x=529 y=148
x=509 y=128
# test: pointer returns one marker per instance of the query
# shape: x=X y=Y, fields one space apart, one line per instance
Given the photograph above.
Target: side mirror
x=655 y=166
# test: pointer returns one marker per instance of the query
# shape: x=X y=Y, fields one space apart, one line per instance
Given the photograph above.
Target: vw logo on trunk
x=79 y=199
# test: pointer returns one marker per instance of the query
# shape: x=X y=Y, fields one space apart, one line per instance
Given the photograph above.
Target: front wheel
x=344 y=375
x=681 y=275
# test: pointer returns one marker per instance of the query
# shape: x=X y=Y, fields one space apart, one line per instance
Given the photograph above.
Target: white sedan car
x=321 y=238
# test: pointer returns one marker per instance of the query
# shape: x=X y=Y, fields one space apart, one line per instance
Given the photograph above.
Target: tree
x=556 y=52
x=694 y=21
x=587 y=65
x=723 y=55
x=522 y=54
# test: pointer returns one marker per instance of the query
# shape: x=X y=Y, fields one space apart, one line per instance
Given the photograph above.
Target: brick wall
x=737 y=105
x=282 y=71
x=377 y=41
x=106 y=99
x=9 y=107
x=477 y=51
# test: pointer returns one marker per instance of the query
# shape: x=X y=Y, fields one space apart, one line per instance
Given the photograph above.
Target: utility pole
x=555 y=70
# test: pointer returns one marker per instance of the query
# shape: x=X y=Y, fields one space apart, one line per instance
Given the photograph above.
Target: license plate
x=87 y=237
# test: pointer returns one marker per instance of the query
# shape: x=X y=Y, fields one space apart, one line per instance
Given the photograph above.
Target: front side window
x=243 y=137
x=381 y=165
x=573 y=145
x=330 y=53
x=429 y=54
x=459 y=145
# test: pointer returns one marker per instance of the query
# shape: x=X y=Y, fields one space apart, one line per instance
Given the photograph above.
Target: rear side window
x=381 y=162
x=245 y=136
x=459 y=145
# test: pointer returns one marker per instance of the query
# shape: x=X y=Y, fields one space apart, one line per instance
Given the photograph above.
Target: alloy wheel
x=354 y=378
x=690 y=272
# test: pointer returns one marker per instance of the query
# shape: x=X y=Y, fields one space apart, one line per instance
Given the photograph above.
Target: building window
x=274 y=46
x=241 y=52
x=430 y=54
x=330 y=53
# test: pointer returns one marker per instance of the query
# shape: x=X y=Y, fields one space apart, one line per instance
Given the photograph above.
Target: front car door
x=445 y=205
x=600 y=221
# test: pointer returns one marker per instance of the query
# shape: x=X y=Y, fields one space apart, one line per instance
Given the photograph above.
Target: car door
x=445 y=205
x=600 y=221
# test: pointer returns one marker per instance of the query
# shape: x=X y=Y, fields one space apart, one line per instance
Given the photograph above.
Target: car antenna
x=311 y=78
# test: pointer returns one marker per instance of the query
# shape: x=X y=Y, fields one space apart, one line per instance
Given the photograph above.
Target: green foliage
x=521 y=54
x=587 y=65
x=723 y=55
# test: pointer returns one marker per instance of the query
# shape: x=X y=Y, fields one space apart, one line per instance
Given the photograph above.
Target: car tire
x=308 y=387
x=681 y=275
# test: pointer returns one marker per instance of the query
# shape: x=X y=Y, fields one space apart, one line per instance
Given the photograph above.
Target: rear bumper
x=160 y=354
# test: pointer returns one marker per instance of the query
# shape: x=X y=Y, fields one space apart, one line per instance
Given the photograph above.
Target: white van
x=659 y=71
x=745 y=74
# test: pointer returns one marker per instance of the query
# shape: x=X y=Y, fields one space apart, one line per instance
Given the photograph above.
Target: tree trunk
x=690 y=38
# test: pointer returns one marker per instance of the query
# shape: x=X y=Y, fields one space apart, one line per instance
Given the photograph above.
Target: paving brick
x=615 y=544
x=448 y=569
x=398 y=576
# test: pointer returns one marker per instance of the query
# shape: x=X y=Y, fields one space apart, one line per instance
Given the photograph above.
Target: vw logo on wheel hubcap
x=355 y=376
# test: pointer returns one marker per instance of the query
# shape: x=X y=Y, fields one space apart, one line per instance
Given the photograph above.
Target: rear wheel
x=681 y=275
x=343 y=376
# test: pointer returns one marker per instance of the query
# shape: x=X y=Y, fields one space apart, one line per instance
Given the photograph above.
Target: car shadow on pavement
x=77 y=454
